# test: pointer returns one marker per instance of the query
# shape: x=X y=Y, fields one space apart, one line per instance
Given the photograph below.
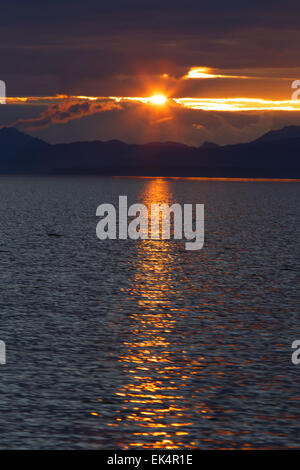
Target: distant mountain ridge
x=288 y=132
x=209 y=145
x=12 y=141
x=273 y=155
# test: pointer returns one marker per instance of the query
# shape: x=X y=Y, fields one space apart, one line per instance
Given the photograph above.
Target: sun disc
x=158 y=99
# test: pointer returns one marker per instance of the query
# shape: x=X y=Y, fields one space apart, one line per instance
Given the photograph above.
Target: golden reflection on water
x=152 y=411
x=183 y=368
x=163 y=389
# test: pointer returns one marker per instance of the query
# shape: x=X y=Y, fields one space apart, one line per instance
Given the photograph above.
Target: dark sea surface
x=121 y=344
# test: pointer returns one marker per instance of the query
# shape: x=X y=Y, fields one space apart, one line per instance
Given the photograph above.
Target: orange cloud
x=66 y=111
x=62 y=109
x=238 y=104
x=206 y=72
x=163 y=119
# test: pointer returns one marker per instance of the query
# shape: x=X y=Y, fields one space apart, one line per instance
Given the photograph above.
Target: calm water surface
x=142 y=344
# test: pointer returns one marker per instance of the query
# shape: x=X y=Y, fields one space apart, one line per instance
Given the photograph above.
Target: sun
x=158 y=99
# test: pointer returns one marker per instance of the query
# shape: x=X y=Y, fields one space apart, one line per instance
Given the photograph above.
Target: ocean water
x=123 y=344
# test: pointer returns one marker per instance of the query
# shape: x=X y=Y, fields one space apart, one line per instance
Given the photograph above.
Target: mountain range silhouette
x=274 y=155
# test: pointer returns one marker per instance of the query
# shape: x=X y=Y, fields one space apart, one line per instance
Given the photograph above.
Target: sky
x=87 y=70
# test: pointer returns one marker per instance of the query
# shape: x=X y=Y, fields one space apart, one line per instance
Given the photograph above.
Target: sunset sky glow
x=143 y=71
